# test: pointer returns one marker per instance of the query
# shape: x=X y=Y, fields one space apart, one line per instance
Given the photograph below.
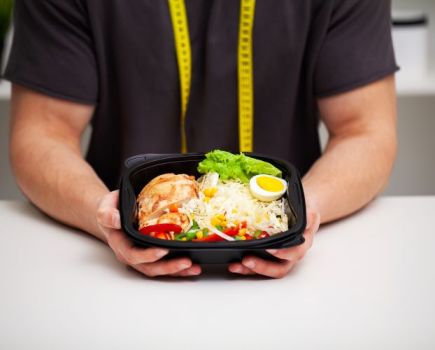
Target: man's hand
x=289 y=257
x=146 y=261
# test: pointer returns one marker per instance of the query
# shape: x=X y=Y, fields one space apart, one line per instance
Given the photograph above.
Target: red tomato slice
x=210 y=238
x=263 y=235
x=231 y=231
x=161 y=228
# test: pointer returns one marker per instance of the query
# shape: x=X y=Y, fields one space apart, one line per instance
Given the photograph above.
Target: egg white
x=263 y=195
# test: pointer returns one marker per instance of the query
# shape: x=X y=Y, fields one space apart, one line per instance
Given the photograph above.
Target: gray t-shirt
x=120 y=56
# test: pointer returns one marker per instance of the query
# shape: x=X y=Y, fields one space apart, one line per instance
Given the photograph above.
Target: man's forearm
x=55 y=177
x=351 y=172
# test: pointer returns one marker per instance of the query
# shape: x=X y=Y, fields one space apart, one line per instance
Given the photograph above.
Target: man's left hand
x=289 y=257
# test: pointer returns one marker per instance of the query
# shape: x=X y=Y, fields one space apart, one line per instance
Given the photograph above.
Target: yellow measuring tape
x=184 y=59
x=245 y=69
x=246 y=76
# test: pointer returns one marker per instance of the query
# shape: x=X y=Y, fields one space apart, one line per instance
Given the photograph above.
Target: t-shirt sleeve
x=357 y=49
x=52 y=50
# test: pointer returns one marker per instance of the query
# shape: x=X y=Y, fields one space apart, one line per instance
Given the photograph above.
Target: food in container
x=140 y=170
x=227 y=203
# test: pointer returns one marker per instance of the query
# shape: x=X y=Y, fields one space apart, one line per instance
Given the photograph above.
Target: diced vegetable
x=195 y=225
x=180 y=237
x=161 y=228
x=191 y=234
x=173 y=208
x=263 y=235
x=232 y=231
x=210 y=238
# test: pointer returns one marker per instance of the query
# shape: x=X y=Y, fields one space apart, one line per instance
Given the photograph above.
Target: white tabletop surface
x=367 y=283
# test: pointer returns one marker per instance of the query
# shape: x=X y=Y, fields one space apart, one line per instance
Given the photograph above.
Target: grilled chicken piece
x=179 y=219
x=160 y=193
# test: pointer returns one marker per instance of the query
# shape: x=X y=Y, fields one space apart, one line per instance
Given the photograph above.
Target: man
x=114 y=64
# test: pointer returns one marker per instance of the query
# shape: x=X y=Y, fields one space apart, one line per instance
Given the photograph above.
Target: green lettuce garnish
x=235 y=166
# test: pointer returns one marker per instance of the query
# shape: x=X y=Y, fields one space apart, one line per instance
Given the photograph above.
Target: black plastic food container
x=141 y=169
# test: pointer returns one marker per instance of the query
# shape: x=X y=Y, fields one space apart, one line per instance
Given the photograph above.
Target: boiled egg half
x=267 y=188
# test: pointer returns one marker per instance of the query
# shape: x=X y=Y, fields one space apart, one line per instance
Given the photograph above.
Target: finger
x=297 y=253
x=240 y=269
x=131 y=254
x=290 y=254
x=110 y=200
x=109 y=218
x=313 y=222
x=108 y=214
x=162 y=268
x=194 y=270
x=268 y=268
x=294 y=253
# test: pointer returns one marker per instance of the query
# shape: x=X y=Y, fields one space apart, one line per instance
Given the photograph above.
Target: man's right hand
x=146 y=261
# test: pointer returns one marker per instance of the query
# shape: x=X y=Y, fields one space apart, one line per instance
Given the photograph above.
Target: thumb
x=313 y=221
x=108 y=213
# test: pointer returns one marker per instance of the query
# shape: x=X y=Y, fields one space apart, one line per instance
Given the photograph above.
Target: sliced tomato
x=210 y=238
x=232 y=231
x=161 y=228
x=263 y=234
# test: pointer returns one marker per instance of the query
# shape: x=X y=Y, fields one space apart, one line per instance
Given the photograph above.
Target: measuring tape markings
x=182 y=44
x=245 y=76
x=244 y=66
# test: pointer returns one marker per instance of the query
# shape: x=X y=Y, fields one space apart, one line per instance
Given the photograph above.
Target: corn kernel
x=207 y=199
x=199 y=235
x=210 y=192
x=215 y=221
x=242 y=231
x=184 y=239
x=243 y=238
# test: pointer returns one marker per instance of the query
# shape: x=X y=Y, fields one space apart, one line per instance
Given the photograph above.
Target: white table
x=367 y=283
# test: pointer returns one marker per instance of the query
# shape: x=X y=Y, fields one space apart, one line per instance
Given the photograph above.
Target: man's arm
x=360 y=153
x=48 y=165
x=354 y=168
x=47 y=161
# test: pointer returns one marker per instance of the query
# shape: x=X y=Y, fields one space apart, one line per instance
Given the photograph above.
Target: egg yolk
x=270 y=184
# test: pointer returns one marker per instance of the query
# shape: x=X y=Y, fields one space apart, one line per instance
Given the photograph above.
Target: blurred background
x=414 y=40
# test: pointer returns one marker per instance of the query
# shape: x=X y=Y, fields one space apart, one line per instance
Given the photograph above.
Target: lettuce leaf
x=235 y=166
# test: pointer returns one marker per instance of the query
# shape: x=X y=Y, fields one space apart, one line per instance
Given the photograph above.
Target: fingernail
x=310 y=220
x=116 y=220
x=194 y=272
x=272 y=251
x=161 y=253
x=184 y=266
x=249 y=264
x=235 y=269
